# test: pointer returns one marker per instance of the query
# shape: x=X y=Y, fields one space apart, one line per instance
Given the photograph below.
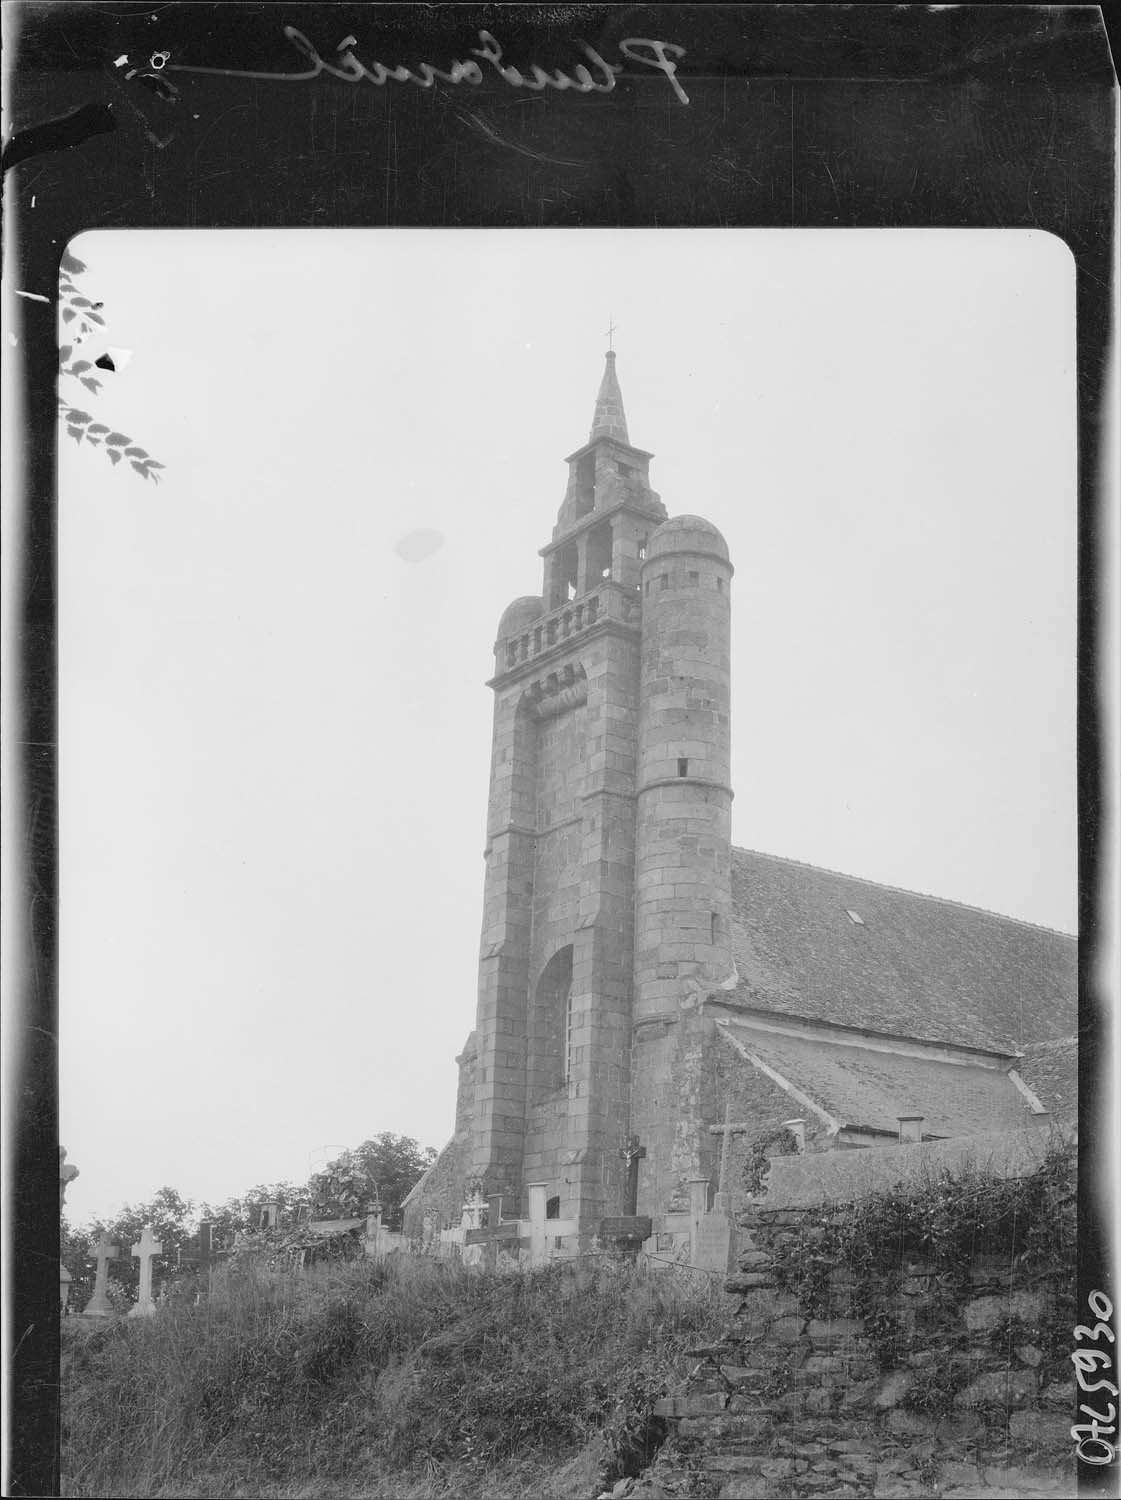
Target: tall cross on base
x=99 y=1305
x=632 y=1153
x=145 y=1250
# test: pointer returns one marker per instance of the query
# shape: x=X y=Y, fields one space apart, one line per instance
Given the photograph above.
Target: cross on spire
x=610 y=334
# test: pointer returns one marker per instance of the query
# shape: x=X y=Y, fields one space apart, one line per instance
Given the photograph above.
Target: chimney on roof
x=910 y=1129
x=797 y=1129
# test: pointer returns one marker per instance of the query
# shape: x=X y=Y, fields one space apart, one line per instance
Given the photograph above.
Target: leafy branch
x=83 y=319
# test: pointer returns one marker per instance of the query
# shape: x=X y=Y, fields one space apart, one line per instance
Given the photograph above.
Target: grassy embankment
x=407 y=1378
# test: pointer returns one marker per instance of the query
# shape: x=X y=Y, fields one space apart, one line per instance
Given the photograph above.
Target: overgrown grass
x=408 y=1378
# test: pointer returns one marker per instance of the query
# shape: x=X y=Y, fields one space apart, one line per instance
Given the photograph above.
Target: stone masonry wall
x=974 y=1402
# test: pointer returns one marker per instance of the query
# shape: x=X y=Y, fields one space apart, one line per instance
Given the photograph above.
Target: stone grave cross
x=632 y=1153
x=495 y=1232
x=207 y=1256
x=99 y=1305
x=541 y=1229
x=145 y=1250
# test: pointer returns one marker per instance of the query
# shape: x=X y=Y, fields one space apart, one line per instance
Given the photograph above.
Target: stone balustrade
x=611 y=601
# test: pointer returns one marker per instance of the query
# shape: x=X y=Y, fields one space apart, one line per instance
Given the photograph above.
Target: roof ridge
x=880 y=885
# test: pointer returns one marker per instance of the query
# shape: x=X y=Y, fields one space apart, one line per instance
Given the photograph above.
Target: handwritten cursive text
x=595 y=76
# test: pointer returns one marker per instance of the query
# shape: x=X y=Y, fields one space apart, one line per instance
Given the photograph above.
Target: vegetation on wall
x=779 y=1141
x=939 y=1239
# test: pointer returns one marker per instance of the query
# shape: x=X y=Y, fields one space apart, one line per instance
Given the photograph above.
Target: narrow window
x=694 y=578
x=714 y=929
x=649 y=584
x=719 y=585
x=600 y=543
x=682 y=766
x=552 y=1208
x=642 y=549
x=586 y=484
x=664 y=581
x=569 y=1032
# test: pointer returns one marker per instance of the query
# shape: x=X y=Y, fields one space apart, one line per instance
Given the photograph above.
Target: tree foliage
x=82 y=320
x=379 y=1171
x=242 y=1214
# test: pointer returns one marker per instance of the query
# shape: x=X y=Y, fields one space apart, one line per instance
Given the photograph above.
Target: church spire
x=610 y=420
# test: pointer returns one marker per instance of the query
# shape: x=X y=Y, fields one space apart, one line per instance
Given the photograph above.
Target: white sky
x=275 y=729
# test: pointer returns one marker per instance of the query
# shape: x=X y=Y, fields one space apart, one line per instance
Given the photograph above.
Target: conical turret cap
x=610 y=419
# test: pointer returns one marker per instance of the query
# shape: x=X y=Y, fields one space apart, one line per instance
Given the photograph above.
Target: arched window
x=551 y=1031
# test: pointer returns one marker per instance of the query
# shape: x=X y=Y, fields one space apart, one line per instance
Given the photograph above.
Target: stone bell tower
x=607 y=862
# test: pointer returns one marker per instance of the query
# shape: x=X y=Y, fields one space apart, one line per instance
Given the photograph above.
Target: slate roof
x=1050 y=1070
x=919 y=966
x=859 y=1086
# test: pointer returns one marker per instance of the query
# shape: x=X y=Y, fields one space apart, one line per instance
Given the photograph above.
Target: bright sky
x=275 y=726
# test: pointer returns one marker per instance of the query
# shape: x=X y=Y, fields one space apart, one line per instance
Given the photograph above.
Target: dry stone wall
x=940 y=1392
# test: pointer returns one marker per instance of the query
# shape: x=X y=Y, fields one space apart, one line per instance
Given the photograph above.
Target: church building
x=648 y=993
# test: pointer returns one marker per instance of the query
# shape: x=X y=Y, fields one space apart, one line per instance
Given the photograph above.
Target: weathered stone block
x=745 y=1406
x=735 y=1463
x=909 y=1424
x=779 y=1468
x=1030 y=1354
x=860 y=1393
x=1018 y=1480
x=791 y=1403
x=818 y=1402
x=702 y=1405
x=892 y=1388
x=1032 y=1431
x=955 y=1472
x=785 y=1330
x=984 y=1313
x=1060 y=1393
x=999 y=1388
x=747 y=1487
x=828 y=1332
x=748 y=1281
x=962 y=1427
